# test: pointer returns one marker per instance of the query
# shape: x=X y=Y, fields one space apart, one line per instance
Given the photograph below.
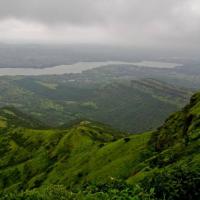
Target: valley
x=127 y=104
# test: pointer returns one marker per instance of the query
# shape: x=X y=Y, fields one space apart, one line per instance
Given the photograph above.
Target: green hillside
x=87 y=151
x=90 y=160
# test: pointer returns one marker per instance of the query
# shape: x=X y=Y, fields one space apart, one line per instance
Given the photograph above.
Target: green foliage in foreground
x=115 y=190
x=175 y=184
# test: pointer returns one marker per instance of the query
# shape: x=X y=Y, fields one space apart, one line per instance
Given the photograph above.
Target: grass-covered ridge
x=87 y=156
x=87 y=151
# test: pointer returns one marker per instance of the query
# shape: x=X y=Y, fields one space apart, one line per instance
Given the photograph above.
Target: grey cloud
x=128 y=22
x=52 y=11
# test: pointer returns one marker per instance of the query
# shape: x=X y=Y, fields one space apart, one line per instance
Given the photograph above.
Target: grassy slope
x=87 y=151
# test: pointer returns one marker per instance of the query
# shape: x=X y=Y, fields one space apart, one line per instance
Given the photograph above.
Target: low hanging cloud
x=140 y=23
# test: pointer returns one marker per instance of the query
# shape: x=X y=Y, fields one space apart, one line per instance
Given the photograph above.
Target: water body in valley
x=79 y=67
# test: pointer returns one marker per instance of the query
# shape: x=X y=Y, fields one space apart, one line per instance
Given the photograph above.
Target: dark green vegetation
x=92 y=161
x=99 y=95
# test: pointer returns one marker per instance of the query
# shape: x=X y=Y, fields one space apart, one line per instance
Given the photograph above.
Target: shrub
x=126 y=139
x=175 y=184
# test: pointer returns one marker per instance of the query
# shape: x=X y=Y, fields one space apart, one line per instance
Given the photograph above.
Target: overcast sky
x=142 y=23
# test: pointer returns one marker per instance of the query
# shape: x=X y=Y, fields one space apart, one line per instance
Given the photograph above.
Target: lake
x=79 y=67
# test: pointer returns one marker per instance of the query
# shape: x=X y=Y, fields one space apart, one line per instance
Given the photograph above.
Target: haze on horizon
x=138 y=23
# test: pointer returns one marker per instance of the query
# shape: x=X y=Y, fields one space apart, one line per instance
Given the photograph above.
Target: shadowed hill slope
x=10 y=116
